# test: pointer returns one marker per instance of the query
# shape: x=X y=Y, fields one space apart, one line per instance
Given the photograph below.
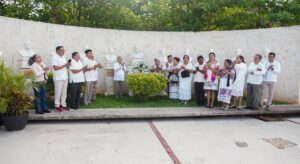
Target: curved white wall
x=45 y=37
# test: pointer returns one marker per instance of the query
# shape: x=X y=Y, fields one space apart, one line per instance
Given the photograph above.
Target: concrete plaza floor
x=218 y=140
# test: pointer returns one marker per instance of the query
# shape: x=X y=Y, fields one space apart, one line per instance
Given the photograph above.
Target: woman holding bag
x=185 y=80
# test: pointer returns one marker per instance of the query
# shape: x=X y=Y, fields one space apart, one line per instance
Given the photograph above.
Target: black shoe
x=73 y=107
x=47 y=111
x=248 y=107
x=39 y=112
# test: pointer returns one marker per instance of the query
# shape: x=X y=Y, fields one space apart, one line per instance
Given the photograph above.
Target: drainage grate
x=280 y=143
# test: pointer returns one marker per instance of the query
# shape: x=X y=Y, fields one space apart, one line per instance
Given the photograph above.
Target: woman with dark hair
x=227 y=76
x=210 y=71
x=239 y=83
x=173 y=78
x=185 y=80
x=39 y=70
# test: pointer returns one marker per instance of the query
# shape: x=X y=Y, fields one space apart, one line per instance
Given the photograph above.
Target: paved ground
x=230 y=140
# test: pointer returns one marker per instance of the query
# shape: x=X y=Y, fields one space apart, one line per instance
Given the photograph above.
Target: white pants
x=267 y=91
x=90 y=92
x=60 y=93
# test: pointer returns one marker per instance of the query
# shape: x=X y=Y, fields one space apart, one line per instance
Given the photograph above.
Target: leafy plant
x=138 y=68
x=145 y=85
x=50 y=85
x=14 y=100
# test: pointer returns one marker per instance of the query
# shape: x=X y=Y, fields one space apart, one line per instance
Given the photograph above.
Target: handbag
x=185 y=74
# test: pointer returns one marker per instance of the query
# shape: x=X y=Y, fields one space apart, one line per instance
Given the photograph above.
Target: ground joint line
x=164 y=143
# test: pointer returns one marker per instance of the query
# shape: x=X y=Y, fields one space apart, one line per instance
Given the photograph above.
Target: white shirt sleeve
x=277 y=68
x=251 y=67
x=116 y=67
x=73 y=66
x=54 y=61
x=85 y=62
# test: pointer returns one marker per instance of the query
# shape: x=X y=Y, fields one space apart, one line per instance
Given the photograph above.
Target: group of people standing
x=74 y=72
x=208 y=77
x=222 y=83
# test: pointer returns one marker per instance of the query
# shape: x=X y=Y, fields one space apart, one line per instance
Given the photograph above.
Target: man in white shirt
x=167 y=65
x=157 y=67
x=76 y=79
x=60 y=78
x=166 y=68
x=91 y=76
x=273 y=69
x=199 y=80
x=256 y=72
x=119 y=76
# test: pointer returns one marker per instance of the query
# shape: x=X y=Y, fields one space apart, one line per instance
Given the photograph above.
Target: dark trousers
x=119 y=85
x=199 y=92
x=75 y=95
x=40 y=98
x=253 y=95
x=168 y=88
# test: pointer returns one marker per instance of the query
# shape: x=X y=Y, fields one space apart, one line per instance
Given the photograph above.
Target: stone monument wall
x=285 y=41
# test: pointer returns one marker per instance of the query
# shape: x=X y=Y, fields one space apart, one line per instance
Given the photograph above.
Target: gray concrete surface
x=230 y=140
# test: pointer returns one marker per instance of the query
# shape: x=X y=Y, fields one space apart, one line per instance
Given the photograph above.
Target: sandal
x=233 y=107
x=226 y=108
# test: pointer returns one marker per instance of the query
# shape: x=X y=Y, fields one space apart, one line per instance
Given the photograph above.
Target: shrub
x=14 y=100
x=50 y=85
x=145 y=85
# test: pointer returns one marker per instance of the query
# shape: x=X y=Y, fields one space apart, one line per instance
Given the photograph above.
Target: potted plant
x=14 y=100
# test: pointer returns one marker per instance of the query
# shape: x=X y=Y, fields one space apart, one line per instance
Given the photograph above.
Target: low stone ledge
x=132 y=113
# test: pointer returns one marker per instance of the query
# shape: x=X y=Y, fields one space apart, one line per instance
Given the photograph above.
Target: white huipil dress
x=185 y=84
x=239 y=83
x=174 y=82
x=225 y=87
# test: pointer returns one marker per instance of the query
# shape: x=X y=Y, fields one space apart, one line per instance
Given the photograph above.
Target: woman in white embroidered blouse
x=239 y=83
x=185 y=80
x=40 y=71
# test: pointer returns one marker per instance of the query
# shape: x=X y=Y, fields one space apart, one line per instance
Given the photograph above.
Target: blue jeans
x=40 y=98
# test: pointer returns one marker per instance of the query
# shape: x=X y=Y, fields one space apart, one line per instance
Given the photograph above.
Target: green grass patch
x=133 y=102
